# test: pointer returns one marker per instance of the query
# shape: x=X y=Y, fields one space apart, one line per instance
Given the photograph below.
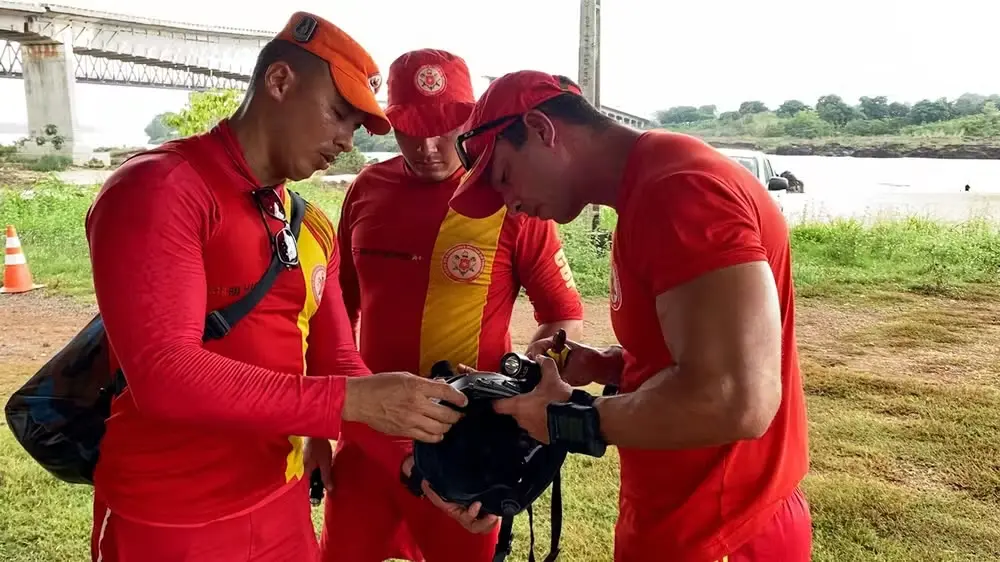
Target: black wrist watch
x=576 y=425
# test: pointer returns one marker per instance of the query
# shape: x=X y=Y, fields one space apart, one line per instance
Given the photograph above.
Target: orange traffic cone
x=16 y=275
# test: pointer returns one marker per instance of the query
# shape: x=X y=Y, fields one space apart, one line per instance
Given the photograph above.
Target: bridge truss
x=126 y=70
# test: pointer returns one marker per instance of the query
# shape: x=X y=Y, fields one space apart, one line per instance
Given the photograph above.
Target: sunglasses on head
x=469 y=160
x=283 y=242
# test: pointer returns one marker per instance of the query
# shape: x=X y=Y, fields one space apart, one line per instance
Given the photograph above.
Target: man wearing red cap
x=428 y=284
x=201 y=459
x=710 y=419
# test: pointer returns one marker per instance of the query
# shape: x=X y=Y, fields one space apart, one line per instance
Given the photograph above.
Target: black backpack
x=58 y=415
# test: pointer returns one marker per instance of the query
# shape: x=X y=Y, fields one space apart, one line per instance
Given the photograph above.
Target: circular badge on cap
x=430 y=80
x=375 y=82
x=463 y=263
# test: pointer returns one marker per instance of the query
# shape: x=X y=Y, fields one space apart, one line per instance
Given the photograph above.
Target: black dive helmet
x=487 y=457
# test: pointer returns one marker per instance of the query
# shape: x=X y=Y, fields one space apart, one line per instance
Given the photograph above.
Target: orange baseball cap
x=354 y=72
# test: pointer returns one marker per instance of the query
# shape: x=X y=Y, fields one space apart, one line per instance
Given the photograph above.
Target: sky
x=654 y=53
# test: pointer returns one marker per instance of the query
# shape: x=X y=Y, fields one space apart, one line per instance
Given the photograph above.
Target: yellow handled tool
x=559 y=352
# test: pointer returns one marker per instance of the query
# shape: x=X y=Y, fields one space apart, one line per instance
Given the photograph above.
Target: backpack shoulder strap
x=219 y=322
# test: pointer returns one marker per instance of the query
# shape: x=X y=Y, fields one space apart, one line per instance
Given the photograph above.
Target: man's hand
x=584 y=364
x=402 y=404
x=319 y=454
x=531 y=410
x=467 y=517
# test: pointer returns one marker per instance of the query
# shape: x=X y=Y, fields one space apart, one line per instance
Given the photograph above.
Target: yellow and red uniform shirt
x=430 y=284
x=207 y=431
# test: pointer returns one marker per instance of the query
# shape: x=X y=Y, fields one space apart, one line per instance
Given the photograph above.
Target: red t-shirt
x=206 y=431
x=685 y=210
x=429 y=284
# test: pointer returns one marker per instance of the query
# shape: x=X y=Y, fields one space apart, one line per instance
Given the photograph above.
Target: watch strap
x=581 y=397
x=592 y=443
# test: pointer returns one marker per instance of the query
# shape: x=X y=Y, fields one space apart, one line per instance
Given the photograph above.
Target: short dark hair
x=568 y=107
x=276 y=50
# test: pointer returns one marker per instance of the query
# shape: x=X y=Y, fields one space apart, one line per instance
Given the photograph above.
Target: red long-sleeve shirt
x=423 y=283
x=208 y=430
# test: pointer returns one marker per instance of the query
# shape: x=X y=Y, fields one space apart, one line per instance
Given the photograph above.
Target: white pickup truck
x=759 y=165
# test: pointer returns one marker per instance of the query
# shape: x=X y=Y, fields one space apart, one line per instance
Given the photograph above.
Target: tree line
x=872 y=115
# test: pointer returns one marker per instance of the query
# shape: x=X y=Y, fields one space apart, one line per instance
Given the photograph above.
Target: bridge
x=633 y=121
x=52 y=47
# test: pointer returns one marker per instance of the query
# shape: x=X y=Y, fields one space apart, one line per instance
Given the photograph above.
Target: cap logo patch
x=305 y=29
x=430 y=80
x=375 y=82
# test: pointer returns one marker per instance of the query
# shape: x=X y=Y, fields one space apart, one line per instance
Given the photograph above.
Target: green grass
x=902 y=469
x=49 y=218
x=912 y=254
x=908 y=254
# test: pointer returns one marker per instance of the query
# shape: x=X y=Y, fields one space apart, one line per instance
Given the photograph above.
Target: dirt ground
x=914 y=336
x=35 y=327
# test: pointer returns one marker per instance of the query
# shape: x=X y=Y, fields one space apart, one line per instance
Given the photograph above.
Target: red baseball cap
x=354 y=72
x=505 y=100
x=430 y=93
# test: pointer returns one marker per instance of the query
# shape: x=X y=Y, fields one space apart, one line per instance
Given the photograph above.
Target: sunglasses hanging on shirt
x=283 y=242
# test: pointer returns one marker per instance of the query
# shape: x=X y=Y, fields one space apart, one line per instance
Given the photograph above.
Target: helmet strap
x=506 y=537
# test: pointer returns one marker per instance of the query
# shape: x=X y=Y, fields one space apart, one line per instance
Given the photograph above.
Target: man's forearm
x=574 y=330
x=675 y=411
x=612 y=365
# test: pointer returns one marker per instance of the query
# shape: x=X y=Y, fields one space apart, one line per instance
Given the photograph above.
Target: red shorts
x=371 y=517
x=787 y=537
x=281 y=530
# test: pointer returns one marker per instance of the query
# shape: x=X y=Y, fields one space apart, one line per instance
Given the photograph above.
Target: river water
x=872 y=188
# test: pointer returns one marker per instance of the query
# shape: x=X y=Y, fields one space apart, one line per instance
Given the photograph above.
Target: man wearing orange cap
x=201 y=460
x=710 y=420
x=429 y=284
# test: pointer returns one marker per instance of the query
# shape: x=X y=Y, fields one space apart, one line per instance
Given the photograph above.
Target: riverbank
x=867 y=147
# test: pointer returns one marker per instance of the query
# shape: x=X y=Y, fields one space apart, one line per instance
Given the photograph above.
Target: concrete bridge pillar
x=49 y=69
